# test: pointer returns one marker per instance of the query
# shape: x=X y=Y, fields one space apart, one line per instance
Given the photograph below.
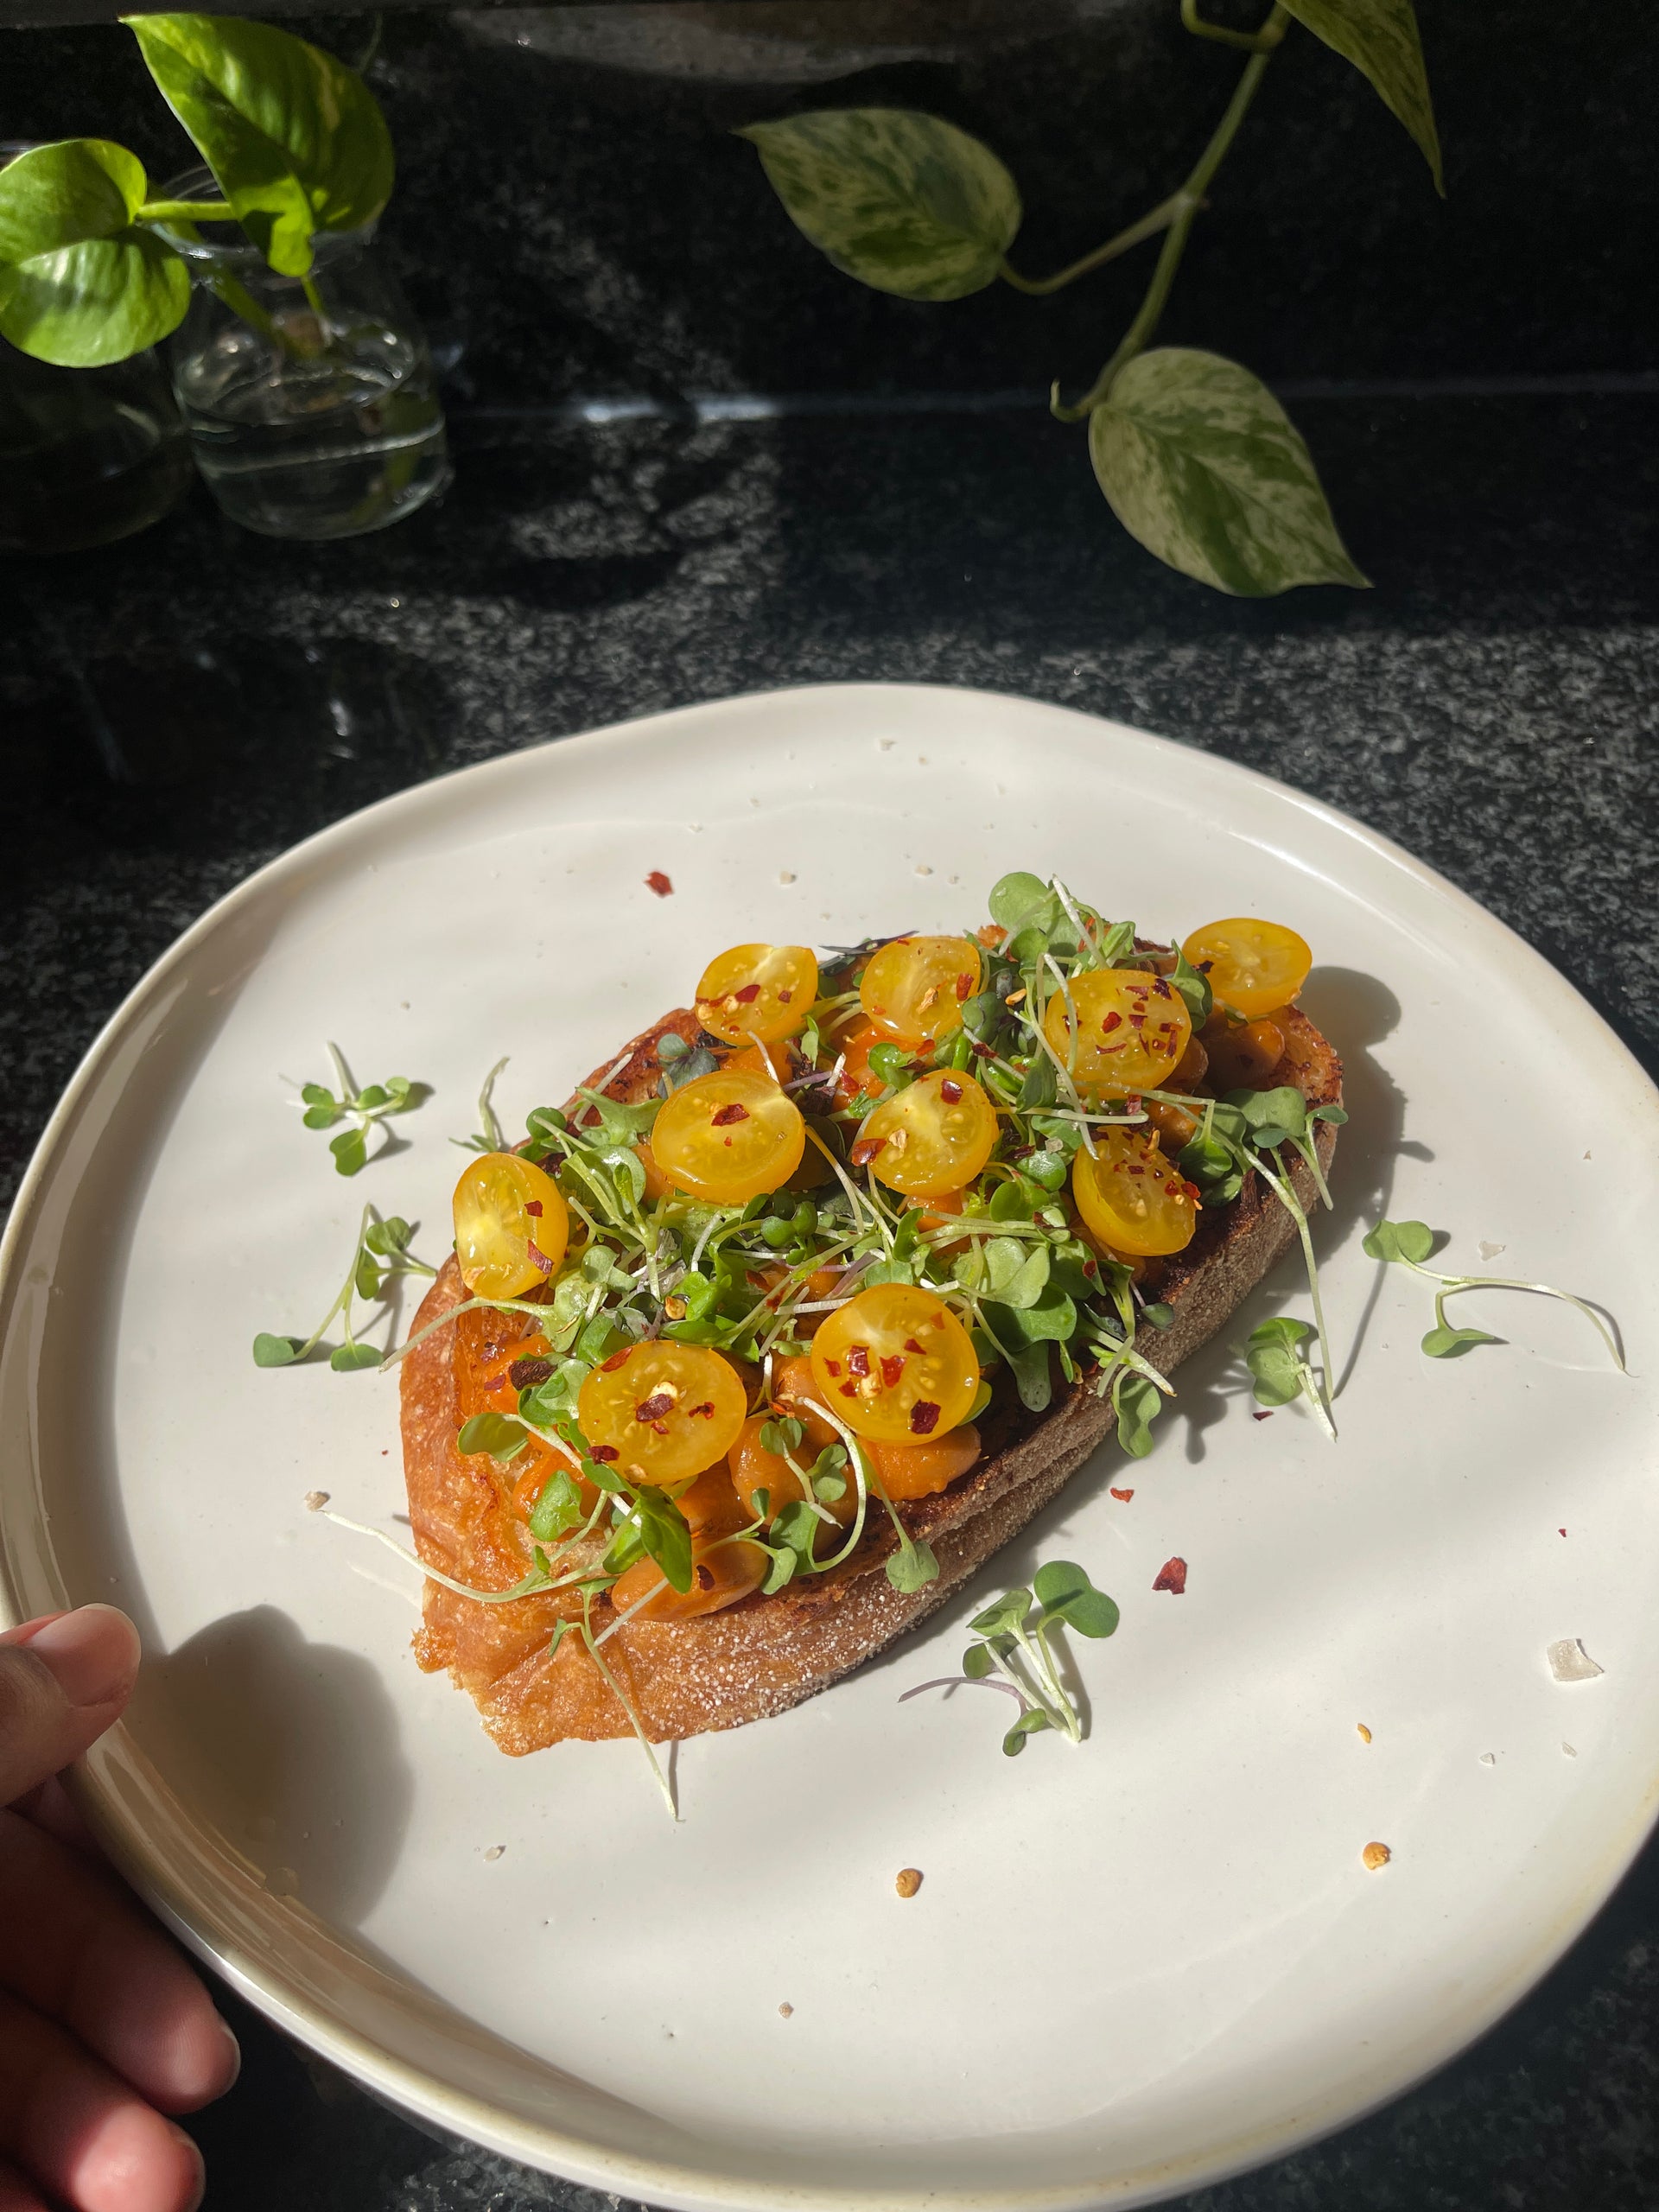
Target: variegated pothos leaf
x=1380 y=37
x=903 y=201
x=1201 y=463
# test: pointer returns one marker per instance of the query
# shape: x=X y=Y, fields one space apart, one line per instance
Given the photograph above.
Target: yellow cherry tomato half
x=659 y=1412
x=511 y=1225
x=758 y=994
x=933 y=1137
x=728 y=1137
x=917 y=986
x=1131 y=1197
x=896 y=1364
x=1132 y=1028
x=1253 y=967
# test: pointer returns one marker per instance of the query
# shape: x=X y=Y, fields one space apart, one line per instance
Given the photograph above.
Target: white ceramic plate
x=1132 y=1966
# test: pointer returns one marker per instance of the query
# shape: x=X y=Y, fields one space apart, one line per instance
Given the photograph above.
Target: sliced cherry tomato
x=721 y=1571
x=931 y=1137
x=917 y=986
x=1252 y=966
x=659 y=1412
x=1133 y=1028
x=896 y=1364
x=921 y=1470
x=758 y=994
x=857 y=1075
x=728 y=1137
x=1131 y=1197
x=1244 y=1054
x=511 y=1225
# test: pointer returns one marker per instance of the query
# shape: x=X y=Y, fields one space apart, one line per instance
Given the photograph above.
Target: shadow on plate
x=291 y=1749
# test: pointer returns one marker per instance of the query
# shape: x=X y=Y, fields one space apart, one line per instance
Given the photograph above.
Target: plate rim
x=423 y=2096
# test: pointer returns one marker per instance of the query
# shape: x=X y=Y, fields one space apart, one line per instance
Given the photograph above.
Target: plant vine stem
x=1038 y=287
x=186 y=211
x=1261 y=42
x=1169 y=260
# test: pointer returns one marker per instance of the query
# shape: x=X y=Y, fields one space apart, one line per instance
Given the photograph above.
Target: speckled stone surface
x=177 y=710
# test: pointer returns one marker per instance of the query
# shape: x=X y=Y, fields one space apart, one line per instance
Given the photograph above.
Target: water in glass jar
x=328 y=444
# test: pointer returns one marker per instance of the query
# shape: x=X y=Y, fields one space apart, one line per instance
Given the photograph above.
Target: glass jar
x=309 y=401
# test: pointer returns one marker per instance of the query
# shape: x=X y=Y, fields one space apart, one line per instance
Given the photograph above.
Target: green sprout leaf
x=1008 y=1614
x=498 y=1435
x=1193 y=987
x=1028 y=1724
x=558 y=1510
x=276 y=1351
x=1065 y=1593
x=1138 y=1400
x=913 y=1566
x=1159 y=1316
x=1273 y=1355
x=1448 y=1343
x=293 y=137
x=351 y=1151
x=81 y=283
x=1021 y=900
x=902 y=202
x=977 y=1661
x=1380 y=38
x=665 y=1535
x=1200 y=463
x=1412 y=1241
x=350 y=1359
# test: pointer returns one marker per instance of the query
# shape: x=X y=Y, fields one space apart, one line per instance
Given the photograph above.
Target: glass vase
x=309 y=401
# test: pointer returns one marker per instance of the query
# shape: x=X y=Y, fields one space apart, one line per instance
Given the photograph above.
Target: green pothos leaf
x=81 y=285
x=902 y=202
x=1200 y=463
x=1380 y=38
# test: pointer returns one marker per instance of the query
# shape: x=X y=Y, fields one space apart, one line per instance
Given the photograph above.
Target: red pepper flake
x=603 y=1453
x=834 y=1366
x=704 y=1412
x=1265 y=1416
x=858 y=1359
x=783 y=997
x=924 y=1418
x=965 y=986
x=609 y=1366
x=659 y=882
x=1561 y=1532
x=1172 y=1576
x=533 y=1207
x=951 y=1092
x=747 y=995
x=1090 y=1267
x=653 y=1407
x=850 y=1389
x=1205 y=966
x=723 y=1116
x=538 y=1259
x=1124 y=1495
x=1132 y=1103
x=893 y=1366
x=1192 y=1192
x=1112 y=1021
x=865 y=1149
x=911 y=1344
x=525 y=1374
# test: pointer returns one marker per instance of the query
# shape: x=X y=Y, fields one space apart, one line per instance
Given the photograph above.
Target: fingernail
x=93 y=1652
x=236 y=2056
x=194 y=2149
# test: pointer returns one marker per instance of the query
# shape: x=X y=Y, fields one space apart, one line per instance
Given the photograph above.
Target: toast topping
x=728 y=1137
x=758 y=994
x=933 y=1137
x=916 y=987
x=886 y=1392
x=1251 y=966
x=511 y=1225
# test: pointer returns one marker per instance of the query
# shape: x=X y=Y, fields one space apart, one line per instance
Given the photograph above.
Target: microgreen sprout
x=380 y=1256
x=1278 y=1369
x=364 y=1109
x=490 y=1136
x=1014 y=1653
x=1408 y=1243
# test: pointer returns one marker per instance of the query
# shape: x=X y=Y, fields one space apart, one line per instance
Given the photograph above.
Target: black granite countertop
x=893 y=501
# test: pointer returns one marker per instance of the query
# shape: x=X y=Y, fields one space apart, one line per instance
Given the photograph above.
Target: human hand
x=102 y=2025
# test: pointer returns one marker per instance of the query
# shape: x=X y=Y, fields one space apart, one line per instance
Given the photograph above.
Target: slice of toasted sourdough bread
x=766 y=1653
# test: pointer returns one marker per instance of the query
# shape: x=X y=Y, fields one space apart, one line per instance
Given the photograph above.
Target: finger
x=81 y=2133
x=83 y=1955
x=59 y=1689
x=17 y=2193
x=51 y=1807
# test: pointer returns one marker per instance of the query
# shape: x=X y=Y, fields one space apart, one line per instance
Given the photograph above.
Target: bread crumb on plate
x=909 y=1881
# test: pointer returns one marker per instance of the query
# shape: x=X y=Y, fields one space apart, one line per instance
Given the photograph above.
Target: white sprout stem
x=1453 y=1283
x=464 y=1305
x=1065 y=1074
x=342 y=1304
x=627 y=1706
x=863 y=1475
x=1292 y=1206
x=489 y=1127
x=1043 y=1672
x=531 y=1586
x=968 y=1682
x=861 y=1204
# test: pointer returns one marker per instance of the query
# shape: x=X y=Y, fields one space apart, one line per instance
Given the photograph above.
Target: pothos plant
x=90 y=271
x=1196 y=457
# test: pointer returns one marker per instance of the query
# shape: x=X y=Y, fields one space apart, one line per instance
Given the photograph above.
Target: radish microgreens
x=1278 y=1369
x=364 y=1109
x=379 y=1257
x=1408 y=1243
x=1014 y=1652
